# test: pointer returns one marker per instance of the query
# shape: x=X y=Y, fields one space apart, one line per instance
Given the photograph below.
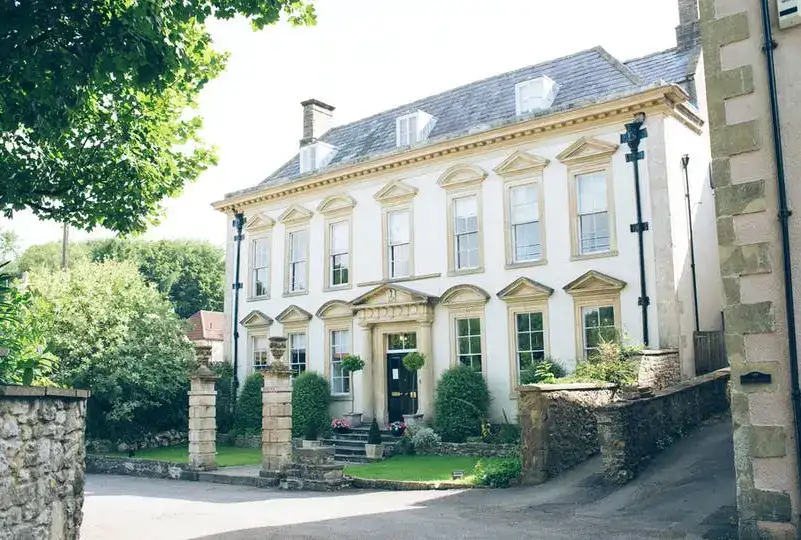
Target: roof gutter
x=672 y=98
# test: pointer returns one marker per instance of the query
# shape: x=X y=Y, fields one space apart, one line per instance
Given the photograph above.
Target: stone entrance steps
x=349 y=447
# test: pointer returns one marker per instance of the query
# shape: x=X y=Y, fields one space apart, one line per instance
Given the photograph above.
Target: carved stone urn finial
x=278 y=347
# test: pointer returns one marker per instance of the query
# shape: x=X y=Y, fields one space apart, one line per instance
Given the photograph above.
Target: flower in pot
x=374 y=449
x=397 y=428
x=340 y=425
x=353 y=363
x=414 y=361
x=310 y=434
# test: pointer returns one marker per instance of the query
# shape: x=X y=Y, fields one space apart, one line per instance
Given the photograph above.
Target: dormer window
x=316 y=156
x=535 y=94
x=413 y=128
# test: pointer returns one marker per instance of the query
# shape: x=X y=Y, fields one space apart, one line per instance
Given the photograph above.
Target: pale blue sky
x=365 y=56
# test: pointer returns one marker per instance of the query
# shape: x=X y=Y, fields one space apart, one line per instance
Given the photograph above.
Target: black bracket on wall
x=637 y=227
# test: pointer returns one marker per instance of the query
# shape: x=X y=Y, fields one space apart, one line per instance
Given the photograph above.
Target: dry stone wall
x=659 y=369
x=41 y=462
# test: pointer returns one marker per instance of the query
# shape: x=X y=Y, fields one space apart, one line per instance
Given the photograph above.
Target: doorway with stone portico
x=384 y=315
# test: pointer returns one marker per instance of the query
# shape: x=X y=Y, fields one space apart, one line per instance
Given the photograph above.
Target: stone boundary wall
x=476 y=449
x=146 y=468
x=41 y=462
x=155 y=440
x=659 y=369
x=239 y=441
x=631 y=432
x=558 y=426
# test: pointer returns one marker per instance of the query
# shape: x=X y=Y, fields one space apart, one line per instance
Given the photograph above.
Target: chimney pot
x=318 y=117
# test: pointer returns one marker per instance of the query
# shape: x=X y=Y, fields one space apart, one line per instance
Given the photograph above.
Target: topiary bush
x=374 y=435
x=247 y=416
x=462 y=402
x=311 y=397
x=225 y=398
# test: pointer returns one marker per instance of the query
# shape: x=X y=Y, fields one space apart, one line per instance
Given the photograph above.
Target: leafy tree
x=248 y=415
x=48 y=256
x=9 y=245
x=97 y=98
x=311 y=397
x=191 y=273
x=225 y=395
x=119 y=337
x=461 y=404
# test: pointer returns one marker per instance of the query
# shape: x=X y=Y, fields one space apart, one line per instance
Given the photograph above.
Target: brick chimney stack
x=318 y=117
x=688 y=32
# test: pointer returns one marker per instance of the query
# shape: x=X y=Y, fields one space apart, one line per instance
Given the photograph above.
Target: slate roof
x=206 y=325
x=672 y=65
x=584 y=77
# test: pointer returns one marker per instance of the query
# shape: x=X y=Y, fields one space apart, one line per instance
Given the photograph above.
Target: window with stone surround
x=339 y=253
x=298 y=244
x=260 y=266
x=530 y=342
x=598 y=325
x=297 y=352
x=468 y=342
x=340 y=348
x=399 y=243
x=260 y=345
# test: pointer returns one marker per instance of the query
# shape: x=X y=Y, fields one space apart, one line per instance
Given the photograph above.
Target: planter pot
x=413 y=420
x=374 y=451
x=312 y=444
x=354 y=419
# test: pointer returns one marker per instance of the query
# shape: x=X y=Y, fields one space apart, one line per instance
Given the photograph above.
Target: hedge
x=462 y=402
x=247 y=418
x=311 y=397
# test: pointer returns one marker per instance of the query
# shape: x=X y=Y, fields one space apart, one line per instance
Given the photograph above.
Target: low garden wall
x=474 y=449
x=659 y=369
x=41 y=462
x=156 y=440
x=558 y=426
x=239 y=441
x=631 y=432
x=147 y=468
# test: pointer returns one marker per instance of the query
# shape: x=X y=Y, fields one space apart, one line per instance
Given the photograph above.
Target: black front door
x=401 y=388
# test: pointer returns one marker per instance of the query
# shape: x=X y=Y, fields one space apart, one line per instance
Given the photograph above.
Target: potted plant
x=340 y=425
x=374 y=449
x=414 y=361
x=353 y=363
x=310 y=435
x=397 y=428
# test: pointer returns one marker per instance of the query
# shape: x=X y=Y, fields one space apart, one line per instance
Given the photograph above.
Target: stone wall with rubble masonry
x=41 y=462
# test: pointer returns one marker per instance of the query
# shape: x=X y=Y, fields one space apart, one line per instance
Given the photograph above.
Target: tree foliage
x=190 y=273
x=248 y=411
x=97 y=99
x=119 y=337
x=311 y=396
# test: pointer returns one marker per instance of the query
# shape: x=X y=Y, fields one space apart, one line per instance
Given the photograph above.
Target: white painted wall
x=430 y=256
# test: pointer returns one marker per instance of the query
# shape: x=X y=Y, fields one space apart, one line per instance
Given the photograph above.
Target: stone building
x=489 y=225
x=757 y=282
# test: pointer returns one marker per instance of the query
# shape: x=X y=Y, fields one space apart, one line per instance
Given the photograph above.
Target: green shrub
x=311 y=430
x=504 y=434
x=247 y=419
x=414 y=360
x=225 y=398
x=405 y=445
x=425 y=439
x=311 y=397
x=613 y=362
x=544 y=371
x=374 y=435
x=461 y=405
x=497 y=473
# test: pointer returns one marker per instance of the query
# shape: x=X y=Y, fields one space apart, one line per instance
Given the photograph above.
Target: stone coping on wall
x=658 y=352
x=404 y=485
x=146 y=468
x=579 y=387
x=42 y=391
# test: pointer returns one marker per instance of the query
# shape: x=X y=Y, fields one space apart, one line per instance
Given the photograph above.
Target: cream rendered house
x=489 y=225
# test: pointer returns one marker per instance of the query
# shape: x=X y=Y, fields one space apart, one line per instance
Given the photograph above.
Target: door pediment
x=389 y=295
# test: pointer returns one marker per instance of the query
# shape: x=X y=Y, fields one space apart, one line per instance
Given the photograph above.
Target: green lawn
x=417 y=468
x=227 y=456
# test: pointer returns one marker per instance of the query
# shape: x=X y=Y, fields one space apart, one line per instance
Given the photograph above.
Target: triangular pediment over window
x=461 y=295
x=335 y=309
x=587 y=149
x=394 y=192
x=594 y=282
x=524 y=288
x=386 y=295
x=461 y=175
x=293 y=314
x=295 y=214
x=255 y=319
x=259 y=222
x=336 y=204
x=520 y=163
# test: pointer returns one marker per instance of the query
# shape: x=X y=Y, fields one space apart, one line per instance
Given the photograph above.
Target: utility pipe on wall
x=239 y=221
x=685 y=161
x=784 y=220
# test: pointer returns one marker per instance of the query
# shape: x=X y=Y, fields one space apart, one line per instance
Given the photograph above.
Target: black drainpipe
x=784 y=220
x=685 y=160
x=634 y=134
x=238 y=222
